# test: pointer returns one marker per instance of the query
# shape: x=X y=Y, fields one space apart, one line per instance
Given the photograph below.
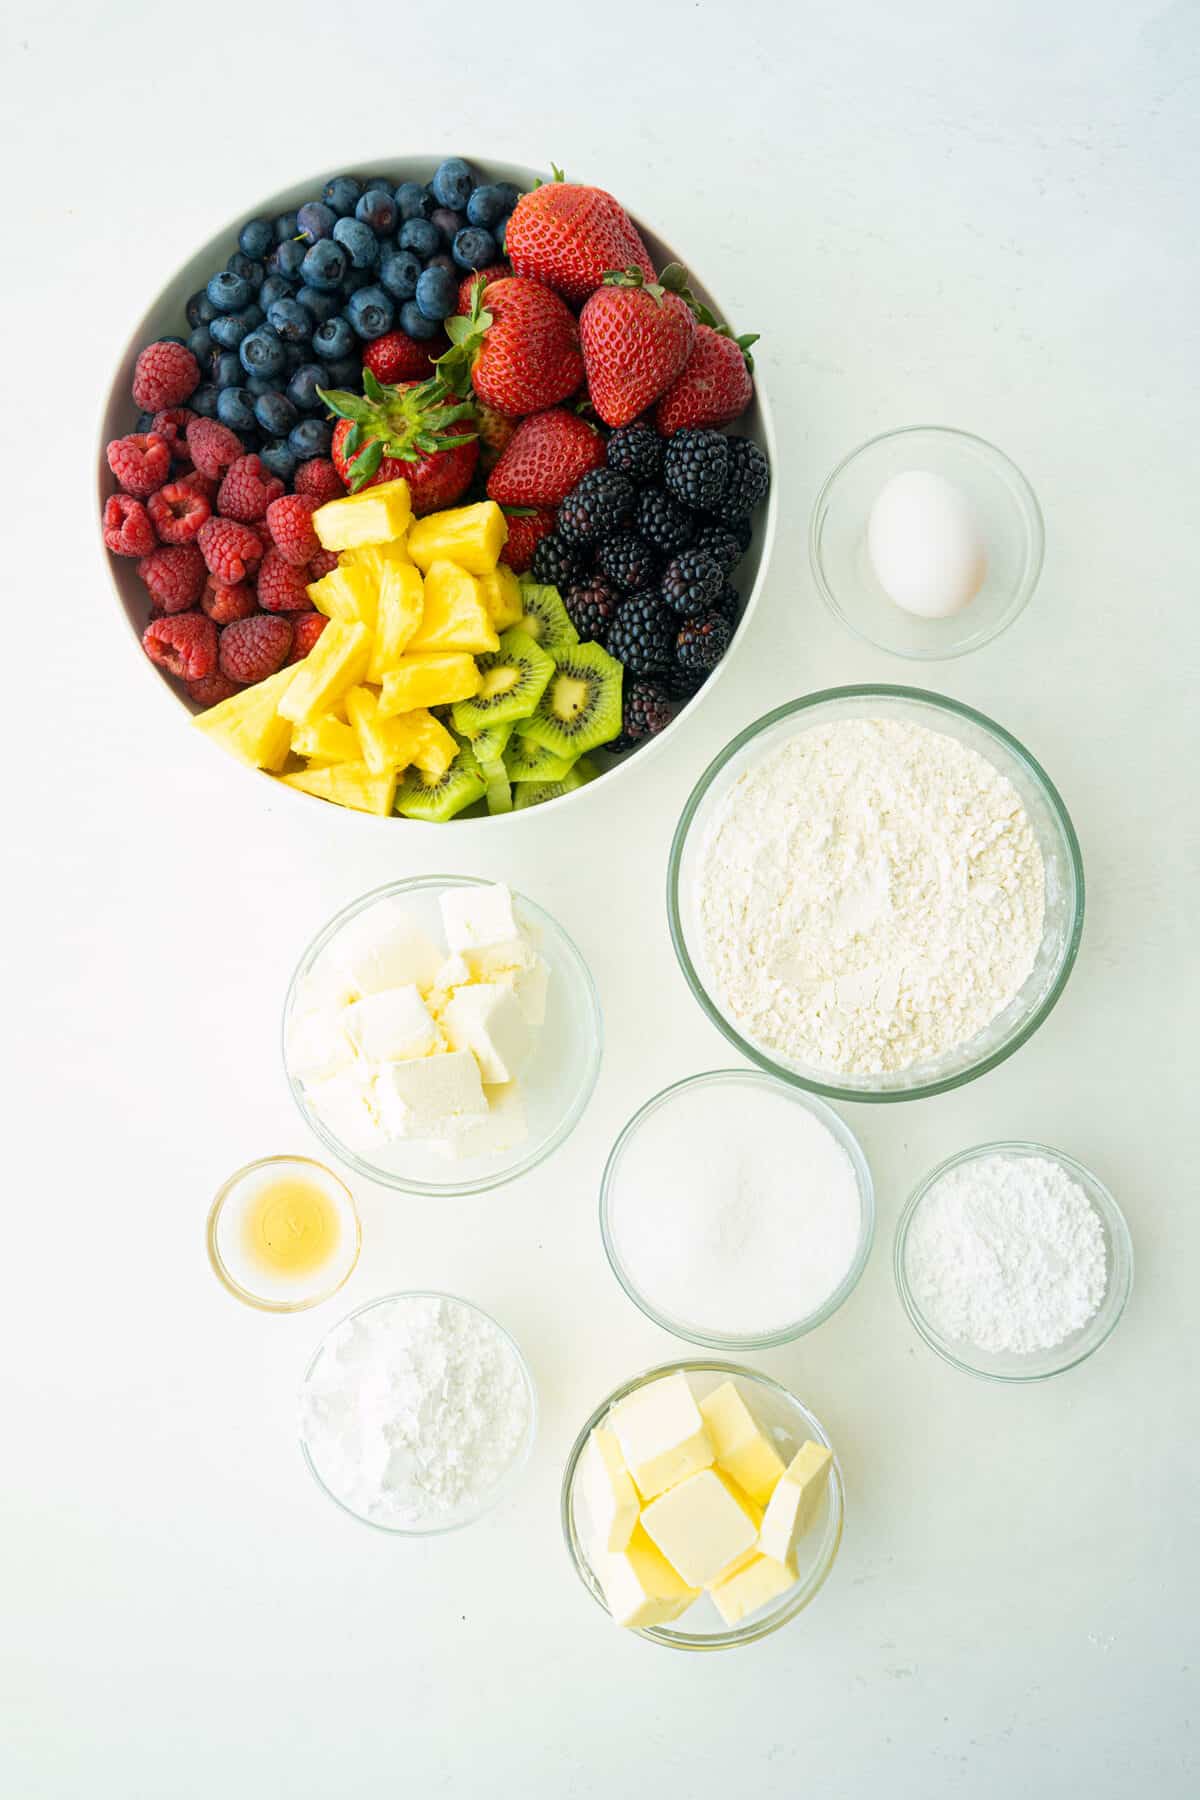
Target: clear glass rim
x=480 y=1184
x=866 y=1229
x=1115 y=1225
x=805 y=1590
x=511 y=1475
x=830 y=1089
x=1035 y=551
x=226 y=1276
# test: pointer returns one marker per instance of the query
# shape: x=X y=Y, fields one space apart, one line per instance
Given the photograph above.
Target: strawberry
x=714 y=386
x=495 y=432
x=407 y=431
x=397 y=357
x=546 y=456
x=527 y=526
x=466 y=287
x=518 y=347
x=569 y=236
x=636 y=338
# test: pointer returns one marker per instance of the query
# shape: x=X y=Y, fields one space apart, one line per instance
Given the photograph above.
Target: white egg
x=925 y=544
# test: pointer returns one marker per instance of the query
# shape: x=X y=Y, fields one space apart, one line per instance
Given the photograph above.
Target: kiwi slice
x=581 y=704
x=499 y=794
x=545 y=618
x=533 y=793
x=436 y=798
x=489 y=747
x=527 y=761
x=511 y=681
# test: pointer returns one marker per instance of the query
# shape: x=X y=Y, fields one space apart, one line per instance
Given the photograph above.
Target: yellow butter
x=759 y=1580
x=701 y=1526
x=743 y=1450
x=640 y=1586
x=607 y=1490
x=662 y=1436
x=793 y=1506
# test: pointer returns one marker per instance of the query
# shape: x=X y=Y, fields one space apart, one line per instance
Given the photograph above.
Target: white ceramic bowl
x=165 y=316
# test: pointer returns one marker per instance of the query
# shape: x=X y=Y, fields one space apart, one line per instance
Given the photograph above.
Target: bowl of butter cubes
x=702 y=1505
x=442 y=1035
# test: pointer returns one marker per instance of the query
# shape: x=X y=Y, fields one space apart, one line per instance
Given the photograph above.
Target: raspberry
x=282 y=588
x=127 y=527
x=210 y=690
x=174 y=576
x=172 y=423
x=178 y=512
x=289 y=521
x=306 y=629
x=247 y=490
x=319 y=479
x=164 y=375
x=212 y=446
x=226 y=604
x=323 y=563
x=230 y=550
x=252 y=649
x=200 y=484
x=185 y=645
x=140 y=462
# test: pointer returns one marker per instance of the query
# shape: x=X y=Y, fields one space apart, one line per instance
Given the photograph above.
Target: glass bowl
x=1009 y=519
x=1063 y=924
x=1036 y=1365
x=729 y=1084
x=556 y=1085
x=224 y=1223
x=788 y=1422
x=515 y=1468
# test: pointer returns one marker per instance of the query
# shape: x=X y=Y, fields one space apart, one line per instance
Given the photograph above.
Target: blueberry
x=278 y=460
x=228 y=292
x=355 y=279
x=334 y=339
x=204 y=400
x=414 y=201
x=501 y=236
x=291 y=321
x=487 y=206
x=235 y=408
x=474 y=248
x=256 y=237
x=320 y=306
x=293 y=356
x=302 y=389
x=314 y=221
x=358 y=241
x=452 y=183
x=341 y=194
x=229 y=330
x=287 y=259
x=420 y=235
x=345 y=372
x=275 y=414
x=372 y=312
x=145 y=421
x=324 y=265
x=256 y=385
x=448 y=224
x=273 y=288
x=200 y=309
x=262 y=352
x=399 y=271
x=248 y=267
x=311 y=437
x=285 y=227
x=414 y=322
x=377 y=209
x=227 y=370
x=167 y=338
x=442 y=261
x=201 y=343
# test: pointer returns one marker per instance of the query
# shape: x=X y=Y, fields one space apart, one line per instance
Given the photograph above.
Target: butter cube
x=752 y=1585
x=607 y=1491
x=345 y=1105
x=375 y=515
x=793 y=1506
x=425 y=1098
x=701 y=1527
x=662 y=1436
x=503 y=1128
x=744 y=1453
x=391 y=1026
x=640 y=1586
x=486 y=1019
x=384 y=947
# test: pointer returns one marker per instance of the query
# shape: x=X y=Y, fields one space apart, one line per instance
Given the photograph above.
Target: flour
x=1007 y=1253
x=871 y=896
x=415 y=1412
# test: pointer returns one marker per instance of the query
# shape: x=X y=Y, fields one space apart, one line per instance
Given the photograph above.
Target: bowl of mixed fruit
x=438 y=492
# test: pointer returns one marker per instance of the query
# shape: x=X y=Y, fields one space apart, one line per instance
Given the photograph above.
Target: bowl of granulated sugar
x=737 y=1212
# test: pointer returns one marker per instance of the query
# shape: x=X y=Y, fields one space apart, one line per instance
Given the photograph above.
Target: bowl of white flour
x=876 y=893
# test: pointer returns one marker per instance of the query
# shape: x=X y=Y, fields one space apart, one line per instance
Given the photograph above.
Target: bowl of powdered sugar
x=1013 y=1261
x=875 y=893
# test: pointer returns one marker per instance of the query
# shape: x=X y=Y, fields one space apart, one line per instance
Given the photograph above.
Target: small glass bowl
x=280 y=1299
x=729 y=1082
x=556 y=1085
x=1036 y=1365
x=788 y=1422
x=1010 y=522
x=511 y=1475
x=1062 y=927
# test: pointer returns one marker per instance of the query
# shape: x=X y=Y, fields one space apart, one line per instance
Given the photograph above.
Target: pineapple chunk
x=348 y=784
x=502 y=597
x=428 y=681
x=374 y=516
x=326 y=740
x=376 y=557
x=249 y=723
x=401 y=603
x=337 y=662
x=372 y=731
x=349 y=594
x=471 y=536
x=455 y=617
x=426 y=741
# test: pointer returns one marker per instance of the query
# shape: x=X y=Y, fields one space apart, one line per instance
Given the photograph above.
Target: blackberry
x=722 y=543
x=703 y=641
x=628 y=560
x=683 y=684
x=664 y=521
x=592 y=606
x=642 y=634
x=636 y=451
x=558 y=564
x=646 y=711
x=746 y=483
x=597 y=504
x=696 y=466
x=692 y=581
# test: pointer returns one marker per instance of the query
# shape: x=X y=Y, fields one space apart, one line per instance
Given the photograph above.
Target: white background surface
x=961 y=213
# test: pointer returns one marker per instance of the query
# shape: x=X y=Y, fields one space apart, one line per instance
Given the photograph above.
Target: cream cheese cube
x=477 y=918
x=503 y=1129
x=640 y=1586
x=345 y=1105
x=662 y=1436
x=391 y=1026
x=752 y=1585
x=385 y=947
x=317 y=1045
x=701 y=1526
x=426 y=1098
x=529 y=982
x=743 y=1450
x=486 y=1019
x=793 y=1506
x=607 y=1490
